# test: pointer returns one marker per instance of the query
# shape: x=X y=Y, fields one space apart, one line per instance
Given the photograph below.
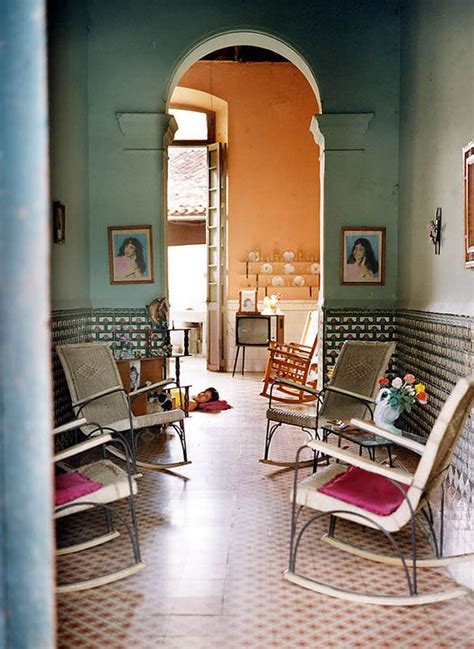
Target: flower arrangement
x=403 y=393
x=270 y=304
x=396 y=396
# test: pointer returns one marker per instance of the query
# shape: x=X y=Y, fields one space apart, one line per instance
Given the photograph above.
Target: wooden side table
x=152 y=369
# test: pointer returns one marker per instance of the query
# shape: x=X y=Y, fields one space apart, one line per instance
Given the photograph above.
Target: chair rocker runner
x=350 y=393
x=385 y=499
x=294 y=362
x=112 y=484
x=98 y=395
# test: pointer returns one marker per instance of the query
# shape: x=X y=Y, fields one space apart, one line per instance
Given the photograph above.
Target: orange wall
x=273 y=161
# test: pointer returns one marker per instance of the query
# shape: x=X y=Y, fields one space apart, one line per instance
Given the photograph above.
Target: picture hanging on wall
x=362 y=255
x=130 y=254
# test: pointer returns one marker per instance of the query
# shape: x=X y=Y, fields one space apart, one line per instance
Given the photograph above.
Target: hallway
x=215 y=540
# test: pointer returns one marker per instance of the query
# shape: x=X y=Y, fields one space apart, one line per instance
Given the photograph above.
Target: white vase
x=384 y=414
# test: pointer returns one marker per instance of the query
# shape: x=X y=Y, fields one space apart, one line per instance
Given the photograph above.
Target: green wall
x=437 y=120
x=69 y=149
x=134 y=47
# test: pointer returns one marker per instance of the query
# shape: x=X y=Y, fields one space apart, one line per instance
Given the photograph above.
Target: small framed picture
x=248 y=301
x=130 y=254
x=362 y=256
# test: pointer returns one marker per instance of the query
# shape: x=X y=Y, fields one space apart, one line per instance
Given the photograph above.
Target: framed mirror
x=468 y=160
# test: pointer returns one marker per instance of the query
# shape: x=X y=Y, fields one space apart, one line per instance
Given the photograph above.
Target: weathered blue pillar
x=26 y=575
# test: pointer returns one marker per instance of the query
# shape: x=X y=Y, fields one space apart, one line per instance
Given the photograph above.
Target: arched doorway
x=253 y=40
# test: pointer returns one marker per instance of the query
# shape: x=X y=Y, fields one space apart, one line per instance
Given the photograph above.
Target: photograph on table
x=362 y=255
x=135 y=372
x=130 y=254
x=248 y=301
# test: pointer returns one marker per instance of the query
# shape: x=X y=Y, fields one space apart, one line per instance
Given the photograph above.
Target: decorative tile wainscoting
x=354 y=324
x=68 y=326
x=87 y=325
x=437 y=348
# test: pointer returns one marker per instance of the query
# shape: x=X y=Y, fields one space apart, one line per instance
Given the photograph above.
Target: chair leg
x=109 y=578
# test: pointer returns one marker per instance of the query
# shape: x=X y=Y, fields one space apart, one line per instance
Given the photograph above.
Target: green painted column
x=355 y=193
x=26 y=570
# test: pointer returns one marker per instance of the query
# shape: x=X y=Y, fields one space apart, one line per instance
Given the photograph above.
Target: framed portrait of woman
x=130 y=254
x=362 y=256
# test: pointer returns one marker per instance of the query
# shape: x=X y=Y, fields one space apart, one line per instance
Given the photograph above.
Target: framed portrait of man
x=362 y=255
x=130 y=254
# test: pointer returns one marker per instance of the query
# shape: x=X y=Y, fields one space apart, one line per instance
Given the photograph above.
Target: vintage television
x=258 y=330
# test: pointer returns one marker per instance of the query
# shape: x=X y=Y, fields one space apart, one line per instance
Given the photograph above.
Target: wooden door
x=216 y=259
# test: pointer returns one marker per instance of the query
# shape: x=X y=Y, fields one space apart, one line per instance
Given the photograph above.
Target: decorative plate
x=289 y=268
x=314 y=268
x=278 y=281
x=289 y=255
x=266 y=269
x=298 y=280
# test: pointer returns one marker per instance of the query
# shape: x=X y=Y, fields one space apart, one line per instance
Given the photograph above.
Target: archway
x=269 y=43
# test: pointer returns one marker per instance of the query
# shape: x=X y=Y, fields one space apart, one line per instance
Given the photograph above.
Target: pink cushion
x=366 y=490
x=69 y=486
x=214 y=405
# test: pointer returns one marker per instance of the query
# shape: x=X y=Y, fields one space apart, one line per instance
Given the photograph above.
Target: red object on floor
x=214 y=405
x=366 y=490
x=69 y=486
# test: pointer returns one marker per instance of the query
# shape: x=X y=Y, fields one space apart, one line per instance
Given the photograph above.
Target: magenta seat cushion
x=69 y=486
x=214 y=405
x=366 y=490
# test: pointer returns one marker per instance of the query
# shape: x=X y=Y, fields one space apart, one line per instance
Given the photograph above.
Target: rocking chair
x=385 y=499
x=96 y=485
x=98 y=395
x=294 y=362
x=350 y=393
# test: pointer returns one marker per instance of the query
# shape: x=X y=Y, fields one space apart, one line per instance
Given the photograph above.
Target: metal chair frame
x=99 y=438
x=422 y=485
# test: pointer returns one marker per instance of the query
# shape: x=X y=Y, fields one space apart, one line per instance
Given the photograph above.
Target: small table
x=365 y=440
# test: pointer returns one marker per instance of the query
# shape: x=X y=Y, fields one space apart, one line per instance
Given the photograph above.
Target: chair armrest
x=98 y=395
x=288 y=351
x=299 y=346
x=71 y=425
x=151 y=386
x=392 y=437
x=92 y=442
x=298 y=386
x=356 y=460
x=348 y=393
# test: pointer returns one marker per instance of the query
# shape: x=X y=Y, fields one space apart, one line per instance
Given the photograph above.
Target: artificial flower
x=397 y=383
x=409 y=378
x=422 y=397
x=419 y=387
x=383 y=381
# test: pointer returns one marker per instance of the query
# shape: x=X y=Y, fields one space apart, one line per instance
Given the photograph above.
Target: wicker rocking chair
x=98 y=395
x=385 y=499
x=112 y=483
x=350 y=393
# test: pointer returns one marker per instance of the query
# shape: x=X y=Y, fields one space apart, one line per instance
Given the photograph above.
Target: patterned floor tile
x=215 y=535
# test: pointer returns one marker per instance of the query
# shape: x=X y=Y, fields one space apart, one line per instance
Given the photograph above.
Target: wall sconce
x=59 y=222
x=434 y=229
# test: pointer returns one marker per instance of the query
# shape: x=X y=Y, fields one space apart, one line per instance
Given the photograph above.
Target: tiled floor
x=214 y=535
